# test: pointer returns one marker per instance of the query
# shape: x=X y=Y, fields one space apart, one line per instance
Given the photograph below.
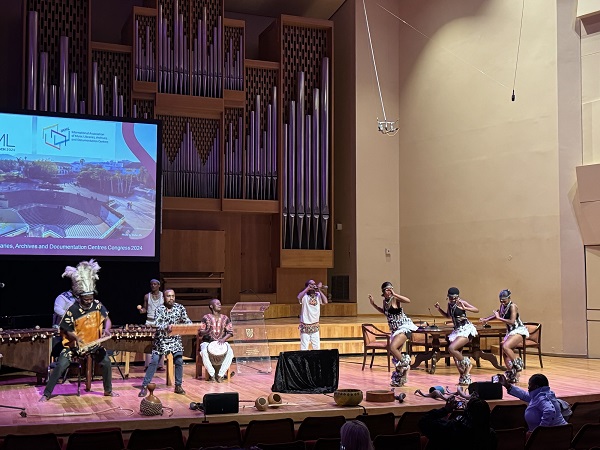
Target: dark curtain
x=307 y=372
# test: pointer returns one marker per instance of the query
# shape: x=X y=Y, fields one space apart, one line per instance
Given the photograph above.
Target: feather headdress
x=83 y=277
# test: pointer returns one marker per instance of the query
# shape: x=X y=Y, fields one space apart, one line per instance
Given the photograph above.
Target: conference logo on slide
x=5 y=145
x=56 y=138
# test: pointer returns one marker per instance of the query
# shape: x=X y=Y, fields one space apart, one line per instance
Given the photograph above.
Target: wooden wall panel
x=256 y=261
x=192 y=251
x=291 y=281
x=247 y=254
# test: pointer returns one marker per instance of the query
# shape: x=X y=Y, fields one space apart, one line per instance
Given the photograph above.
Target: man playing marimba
x=216 y=327
x=84 y=325
x=167 y=315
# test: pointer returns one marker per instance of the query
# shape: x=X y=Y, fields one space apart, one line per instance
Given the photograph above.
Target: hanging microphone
x=513 y=95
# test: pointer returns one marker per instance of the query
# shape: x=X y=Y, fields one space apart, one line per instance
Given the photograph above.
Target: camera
x=496 y=379
x=460 y=405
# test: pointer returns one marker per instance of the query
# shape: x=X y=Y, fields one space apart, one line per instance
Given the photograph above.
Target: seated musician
x=167 y=315
x=215 y=327
x=85 y=322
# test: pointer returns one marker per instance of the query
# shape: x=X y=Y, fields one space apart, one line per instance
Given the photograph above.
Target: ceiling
x=317 y=9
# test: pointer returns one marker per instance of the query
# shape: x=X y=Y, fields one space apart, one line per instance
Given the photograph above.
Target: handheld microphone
x=196 y=406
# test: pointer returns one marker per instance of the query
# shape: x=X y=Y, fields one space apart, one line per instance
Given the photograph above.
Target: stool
x=202 y=373
x=76 y=363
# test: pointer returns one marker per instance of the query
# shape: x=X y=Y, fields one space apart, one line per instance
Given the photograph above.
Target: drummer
x=167 y=315
x=216 y=327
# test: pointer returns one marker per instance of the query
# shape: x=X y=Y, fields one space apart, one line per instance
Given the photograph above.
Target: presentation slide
x=75 y=186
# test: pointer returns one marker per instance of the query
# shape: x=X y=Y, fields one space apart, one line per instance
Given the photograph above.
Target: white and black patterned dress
x=516 y=328
x=462 y=326
x=397 y=320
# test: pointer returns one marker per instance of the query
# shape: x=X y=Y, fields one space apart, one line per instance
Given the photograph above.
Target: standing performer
x=216 y=327
x=152 y=300
x=61 y=304
x=169 y=314
x=83 y=323
x=400 y=326
x=515 y=330
x=463 y=332
x=311 y=299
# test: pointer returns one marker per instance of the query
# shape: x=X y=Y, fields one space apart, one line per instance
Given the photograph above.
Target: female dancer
x=400 y=327
x=515 y=330
x=463 y=332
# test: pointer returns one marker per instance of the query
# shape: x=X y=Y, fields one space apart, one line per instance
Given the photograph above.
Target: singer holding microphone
x=311 y=299
x=401 y=327
x=464 y=331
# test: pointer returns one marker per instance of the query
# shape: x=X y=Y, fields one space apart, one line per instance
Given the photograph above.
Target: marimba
x=186 y=328
x=131 y=339
x=28 y=349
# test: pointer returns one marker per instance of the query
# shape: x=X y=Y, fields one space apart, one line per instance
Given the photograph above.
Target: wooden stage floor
x=574 y=379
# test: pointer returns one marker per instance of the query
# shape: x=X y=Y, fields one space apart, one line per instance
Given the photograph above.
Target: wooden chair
x=584 y=412
x=273 y=431
x=533 y=341
x=418 y=340
x=555 y=438
x=313 y=428
x=201 y=372
x=504 y=417
x=214 y=434
x=156 y=438
x=408 y=441
x=378 y=423
x=375 y=339
x=587 y=436
x=511 y=439
x=100 y=439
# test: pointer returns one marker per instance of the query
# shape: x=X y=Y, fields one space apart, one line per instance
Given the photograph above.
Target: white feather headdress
x=83 y=277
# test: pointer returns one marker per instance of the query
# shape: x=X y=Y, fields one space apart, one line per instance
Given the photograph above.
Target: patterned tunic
x=516 y=328
x=217 y=328
x=165 y=343
x=86 y=324
x=397 y=320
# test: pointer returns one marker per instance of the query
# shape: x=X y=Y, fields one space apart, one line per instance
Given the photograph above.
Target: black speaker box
x=221 y=403
x=486 y=390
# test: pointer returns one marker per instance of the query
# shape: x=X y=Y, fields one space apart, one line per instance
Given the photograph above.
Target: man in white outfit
x=216 y=327
x=311 y=299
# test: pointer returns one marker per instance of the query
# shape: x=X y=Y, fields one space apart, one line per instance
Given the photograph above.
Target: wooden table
x=436 y=352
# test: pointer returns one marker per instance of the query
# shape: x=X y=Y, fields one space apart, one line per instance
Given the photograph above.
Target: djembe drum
x=216 y=353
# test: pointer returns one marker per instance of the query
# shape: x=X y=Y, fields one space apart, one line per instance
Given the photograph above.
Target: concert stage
x=573 y=379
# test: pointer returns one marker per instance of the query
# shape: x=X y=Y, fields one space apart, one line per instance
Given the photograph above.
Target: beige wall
x=590 y=71
x=475 y=190
x=378 y=180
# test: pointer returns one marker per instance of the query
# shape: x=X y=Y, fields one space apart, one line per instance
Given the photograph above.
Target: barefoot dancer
x=463 y=332
x=515 y=330
x=400 y=326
